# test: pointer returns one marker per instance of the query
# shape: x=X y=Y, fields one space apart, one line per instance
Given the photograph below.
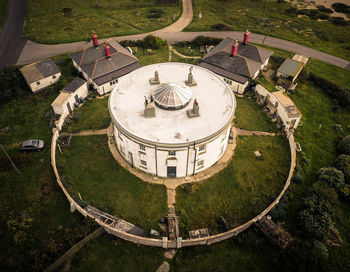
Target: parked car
x=32 y=145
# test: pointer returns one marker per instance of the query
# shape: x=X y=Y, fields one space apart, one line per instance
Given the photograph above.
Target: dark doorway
x=76 y=98
x=171 y=171
x=69 y=108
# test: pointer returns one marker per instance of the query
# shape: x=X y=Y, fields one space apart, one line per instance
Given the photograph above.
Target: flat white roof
x=216 y=104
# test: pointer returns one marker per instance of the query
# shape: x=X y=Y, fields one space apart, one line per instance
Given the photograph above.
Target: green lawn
x=240 y=191
x=246 y=14
x=108 y=253
x=249 y=115
x=188 y=50
x=89 y=168
x=67 y=21
x=3 y=11
x=154 y=56
x=93 y=114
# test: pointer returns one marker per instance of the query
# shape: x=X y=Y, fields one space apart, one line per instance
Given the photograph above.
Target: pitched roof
x=95 y=64
x=74 y=85
x=36 y=71
x=239 y=67
x=287 y=104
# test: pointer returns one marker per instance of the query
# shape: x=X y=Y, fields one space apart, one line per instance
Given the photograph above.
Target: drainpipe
x=155 y=150
x=195 y=157
x=188 y=150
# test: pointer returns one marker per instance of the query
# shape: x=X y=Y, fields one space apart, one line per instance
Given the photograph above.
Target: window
x=201 y=148
x=142 y=147
x=115 y=81
x=200 y=163
x=229 y=82
x=38 y=83
x=172 y=153
x=221 y=150
x=144 y=163
x=54 y=76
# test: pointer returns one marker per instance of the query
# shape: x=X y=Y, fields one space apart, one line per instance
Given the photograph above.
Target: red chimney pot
x=107 y=50
x=94 y=38
x=234 y=48
x=246 y=37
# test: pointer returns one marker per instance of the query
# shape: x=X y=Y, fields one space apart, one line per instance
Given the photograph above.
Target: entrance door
x=69 y=108
x=171 y=171
x=131 y=160
x=76 y=98
x=292 y=124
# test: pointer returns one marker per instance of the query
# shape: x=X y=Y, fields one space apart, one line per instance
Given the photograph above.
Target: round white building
x=172 y=119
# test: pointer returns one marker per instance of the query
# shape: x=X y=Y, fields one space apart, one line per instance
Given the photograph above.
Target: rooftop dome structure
x=172 y=96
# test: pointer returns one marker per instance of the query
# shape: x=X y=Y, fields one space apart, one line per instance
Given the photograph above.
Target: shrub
x=339 y=21
x=312 y=13
x=340 y=7
x=222 y=27
x=317 y=217
x=342 y=162
x=291 y=11
x=202 y=40
x=332 y=176
x=149 y=42
x=155 y=13
x=324 y=9
x=344 y=146
x=323 y=16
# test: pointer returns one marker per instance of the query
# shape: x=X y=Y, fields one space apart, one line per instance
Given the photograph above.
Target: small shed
x=290 y=69
x=41 y=74
x=70 y=95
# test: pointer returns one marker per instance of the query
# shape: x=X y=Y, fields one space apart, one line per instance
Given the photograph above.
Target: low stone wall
x=164 y=241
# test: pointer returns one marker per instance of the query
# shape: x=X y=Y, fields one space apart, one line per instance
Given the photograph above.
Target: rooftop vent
x=172 y=96
x=154 y=80
x=190 y=80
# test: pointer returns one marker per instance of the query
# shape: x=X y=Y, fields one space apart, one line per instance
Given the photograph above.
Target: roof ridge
x=257 y=49
x=82 y=56
x=93 y=71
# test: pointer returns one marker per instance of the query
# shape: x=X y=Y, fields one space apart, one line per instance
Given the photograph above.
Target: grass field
x=3 y=11
x=249 y=115
x=93 y=114
x=103 y=183
x=155 y=56
x=241 y=190
x=67 y=21
x=241 y=15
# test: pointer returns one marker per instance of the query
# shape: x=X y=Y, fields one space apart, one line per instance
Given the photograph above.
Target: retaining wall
x=164 y=241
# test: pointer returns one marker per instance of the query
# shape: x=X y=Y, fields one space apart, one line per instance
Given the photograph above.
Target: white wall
x=82 y=91
x=281 y=111
x=158 y=159
x=235 y=86
x=45 y=82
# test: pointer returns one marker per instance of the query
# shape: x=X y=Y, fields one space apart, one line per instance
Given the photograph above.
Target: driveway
x=12 y=41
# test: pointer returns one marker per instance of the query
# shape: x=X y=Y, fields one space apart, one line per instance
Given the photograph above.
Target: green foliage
x=280 y=210
x=19 y=227
x=324 y=9
x=339 y=21
x=341 y=7
x=332 y=176
x=344 y=146
x=149 y=42
x=317 y=216
x=342 y=162
x=221 y=27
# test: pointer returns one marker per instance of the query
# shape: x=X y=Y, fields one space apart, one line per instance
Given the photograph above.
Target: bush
x=324 y=9
x=155 y=13
x=344 y=146
x=323 y=16
x=339 y=21
x=291 y=11
x=332 y=176
x=222 y=27
x=202 y=40
x=317 y=217
x=342 y=95
x=342 y=162
x=312 y=13
x=340 y=7
x=149 y=42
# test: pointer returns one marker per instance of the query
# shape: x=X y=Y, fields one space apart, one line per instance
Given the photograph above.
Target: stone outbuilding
x=70 y=96
x=236 y=62
x=41 y=74
x=103 y=65
x=290 y=69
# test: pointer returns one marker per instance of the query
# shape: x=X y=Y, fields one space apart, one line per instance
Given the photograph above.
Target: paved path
x=245 y=132
x=86 y=132
x=11 y=39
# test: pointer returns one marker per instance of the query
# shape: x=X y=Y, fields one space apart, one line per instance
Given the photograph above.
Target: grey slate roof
x=239 y=67
x=74 y=85
x=117 y=73
x=37 y=71
x=290 y=67
x=95 y=64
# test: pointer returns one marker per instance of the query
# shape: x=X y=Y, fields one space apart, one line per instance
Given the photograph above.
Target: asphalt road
x=11 y=40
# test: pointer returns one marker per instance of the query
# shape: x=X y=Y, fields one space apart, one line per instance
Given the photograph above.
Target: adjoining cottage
x=236 y=62
x=70 y=95
x=279 y=107
x=103 y=65
x=41 y=74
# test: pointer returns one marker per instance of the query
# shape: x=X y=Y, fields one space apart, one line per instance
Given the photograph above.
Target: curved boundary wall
x=164 y=241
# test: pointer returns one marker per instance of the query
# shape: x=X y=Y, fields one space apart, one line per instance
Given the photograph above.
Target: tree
x=342 y=162
x=332 y=176
x=344 y=145
x=317 y=217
